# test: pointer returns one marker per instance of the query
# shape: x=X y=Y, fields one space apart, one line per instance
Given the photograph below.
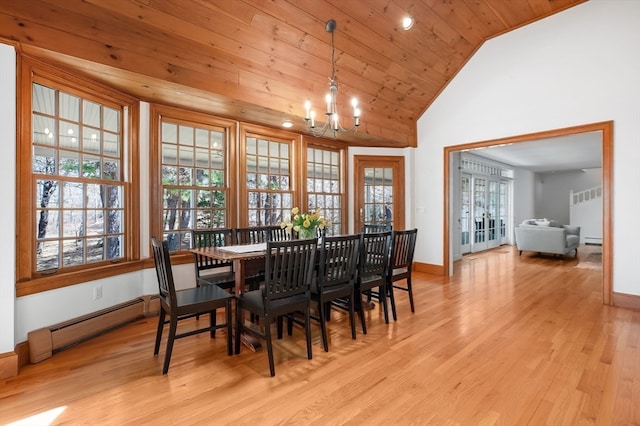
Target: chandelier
x=332 y=122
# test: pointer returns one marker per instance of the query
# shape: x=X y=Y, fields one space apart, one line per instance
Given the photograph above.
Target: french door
x=379 y=191
x=484 y=212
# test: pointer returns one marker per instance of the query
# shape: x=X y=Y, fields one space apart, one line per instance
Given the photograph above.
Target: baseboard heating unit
x=44 y=342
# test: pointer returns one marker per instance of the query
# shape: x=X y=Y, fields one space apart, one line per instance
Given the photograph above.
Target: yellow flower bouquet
x=304 y=224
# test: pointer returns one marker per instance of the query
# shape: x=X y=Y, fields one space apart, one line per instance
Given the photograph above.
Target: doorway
x=606 y=130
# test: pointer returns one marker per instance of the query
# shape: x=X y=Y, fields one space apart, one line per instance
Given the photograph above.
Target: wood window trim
x=27 y=282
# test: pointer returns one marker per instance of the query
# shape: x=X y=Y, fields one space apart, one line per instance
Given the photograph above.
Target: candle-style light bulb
x=335 y=121
x=313 y=119
x=307 y=108
x=327 y=98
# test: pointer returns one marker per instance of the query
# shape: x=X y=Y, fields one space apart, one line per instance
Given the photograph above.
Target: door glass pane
x=479 y=195
x=465 y=211
x=492 y=213
x=378 y=196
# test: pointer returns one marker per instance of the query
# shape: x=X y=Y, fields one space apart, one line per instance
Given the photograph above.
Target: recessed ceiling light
x=287 y=124
x=407 y=23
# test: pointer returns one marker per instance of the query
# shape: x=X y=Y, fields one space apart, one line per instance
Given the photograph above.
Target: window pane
x=91 y=114
x=69 y=107
x=43 y=99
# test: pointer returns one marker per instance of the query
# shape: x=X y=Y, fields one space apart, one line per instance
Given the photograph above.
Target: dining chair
x=277 y=233
x=216 y=272
x=335 y=279
x=187 y=303
x=289 y=266
x=372 y=272
x=403 y=244
x=251 y=235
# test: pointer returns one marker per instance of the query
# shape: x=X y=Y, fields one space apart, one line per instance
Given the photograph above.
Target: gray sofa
x=547 y=236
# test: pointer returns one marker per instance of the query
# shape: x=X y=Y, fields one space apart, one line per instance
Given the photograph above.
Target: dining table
x=247 y=259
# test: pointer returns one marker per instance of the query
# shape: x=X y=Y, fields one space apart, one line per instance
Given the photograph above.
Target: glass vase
x=306 y=233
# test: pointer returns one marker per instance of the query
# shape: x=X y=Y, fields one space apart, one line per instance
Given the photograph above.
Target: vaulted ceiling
x=259 y=61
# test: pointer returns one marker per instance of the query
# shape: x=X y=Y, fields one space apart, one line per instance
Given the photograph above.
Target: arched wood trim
x=606 y=127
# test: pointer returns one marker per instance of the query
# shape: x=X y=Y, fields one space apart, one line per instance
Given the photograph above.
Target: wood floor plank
x=508 y=339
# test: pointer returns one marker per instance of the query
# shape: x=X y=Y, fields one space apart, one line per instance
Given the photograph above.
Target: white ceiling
x=562 y=153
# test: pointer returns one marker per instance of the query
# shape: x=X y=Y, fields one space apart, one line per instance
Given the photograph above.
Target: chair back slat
x=338 y=260
x=162 y=261
x=374 y=258
x=289 y=268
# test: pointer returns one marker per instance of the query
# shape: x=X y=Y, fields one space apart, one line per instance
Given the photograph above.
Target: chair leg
x=307 y=326
x=392 y=300
x=239 y=325
x=161 y=317
x=280 y=324
x=213 y=321
x=229 y=328
x=173 y=326
x=360 y=309
x=323 y=325
x=410 y=291
x=352 y=320
x=267 y=334
x=382 y=291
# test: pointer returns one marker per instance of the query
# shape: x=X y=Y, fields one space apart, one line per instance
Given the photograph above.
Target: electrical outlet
x=97 y=292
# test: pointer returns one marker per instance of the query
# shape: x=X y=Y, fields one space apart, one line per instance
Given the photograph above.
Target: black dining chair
x=289 y=267
x=277 y=233
x=335 y=279
x=372 y=273
x=251 y=235
x=403 y=244
x=212 y=271
x=187 y=303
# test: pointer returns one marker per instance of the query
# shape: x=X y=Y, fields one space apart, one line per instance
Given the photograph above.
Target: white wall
x=555 y=188
x=8 y=195
x=576 y=67
x=524 y=200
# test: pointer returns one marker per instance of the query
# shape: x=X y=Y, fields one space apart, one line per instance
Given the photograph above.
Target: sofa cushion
x=542 y=222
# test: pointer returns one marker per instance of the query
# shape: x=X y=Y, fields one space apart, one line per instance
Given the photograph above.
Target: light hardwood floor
x=507 y=340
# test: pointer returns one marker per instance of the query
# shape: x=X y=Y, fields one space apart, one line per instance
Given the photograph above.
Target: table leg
x=248 y=340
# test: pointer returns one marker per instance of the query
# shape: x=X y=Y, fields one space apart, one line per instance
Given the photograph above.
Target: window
x=267 y=180
x=79 y=182
x=73 y=178
x=193 y=171
x=325 y=185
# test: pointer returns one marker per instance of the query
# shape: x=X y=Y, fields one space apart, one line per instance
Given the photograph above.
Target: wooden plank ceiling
x=258 y=61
